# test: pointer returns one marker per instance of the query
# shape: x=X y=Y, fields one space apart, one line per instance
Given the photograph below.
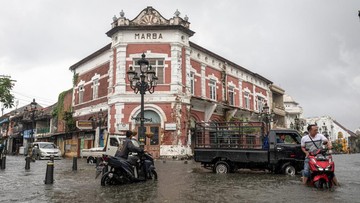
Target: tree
x=6 y=85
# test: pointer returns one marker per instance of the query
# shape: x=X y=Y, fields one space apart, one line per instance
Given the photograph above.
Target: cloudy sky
x=309 y=48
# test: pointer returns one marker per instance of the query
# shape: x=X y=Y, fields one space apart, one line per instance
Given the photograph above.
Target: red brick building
x=194 y=83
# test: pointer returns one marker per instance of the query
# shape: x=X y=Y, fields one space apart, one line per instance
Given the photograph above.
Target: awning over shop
x=4 y=120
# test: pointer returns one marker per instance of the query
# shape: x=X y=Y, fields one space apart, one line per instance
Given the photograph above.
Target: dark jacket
x=126 y=148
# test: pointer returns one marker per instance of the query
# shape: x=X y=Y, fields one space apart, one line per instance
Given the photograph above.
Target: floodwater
x=177 y=182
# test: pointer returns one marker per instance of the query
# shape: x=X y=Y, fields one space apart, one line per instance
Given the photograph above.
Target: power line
x=31 y=97
x=29 y=101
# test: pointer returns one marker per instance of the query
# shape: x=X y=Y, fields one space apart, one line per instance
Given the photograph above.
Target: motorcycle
x=322 y=168
x=138 y=167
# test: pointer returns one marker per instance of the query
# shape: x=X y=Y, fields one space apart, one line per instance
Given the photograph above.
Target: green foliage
x=6 y=97
x=61 y=114
x=75 y=79
x=337 y=146
x=69 y=121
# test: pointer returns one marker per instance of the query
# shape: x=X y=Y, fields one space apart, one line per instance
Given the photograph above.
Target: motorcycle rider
x=127 y=147
x=309 y=141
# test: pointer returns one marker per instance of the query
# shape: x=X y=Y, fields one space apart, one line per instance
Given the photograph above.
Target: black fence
x=247 y=135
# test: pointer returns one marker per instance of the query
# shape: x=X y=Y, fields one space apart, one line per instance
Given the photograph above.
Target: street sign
x=170 y=126
x=123 y=126
x=83 y=125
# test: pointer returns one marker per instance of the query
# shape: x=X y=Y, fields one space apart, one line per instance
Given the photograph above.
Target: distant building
x=294 y=113
x=330 y=128
x=278 y=107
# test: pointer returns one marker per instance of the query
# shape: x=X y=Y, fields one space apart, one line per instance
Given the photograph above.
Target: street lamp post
x=297 y=125
x=266 y=117
x=33 y=109
x=143 y=81
x=33 y=105
x=325 y=131
x=100 y=117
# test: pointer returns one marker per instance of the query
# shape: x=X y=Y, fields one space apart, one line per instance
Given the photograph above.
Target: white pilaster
x=203 y=79
x=176 y=76
x=120 y=86
x=119 y=107
x=240 y=94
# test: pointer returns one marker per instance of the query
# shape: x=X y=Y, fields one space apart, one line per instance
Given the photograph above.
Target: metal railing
x=246 y=135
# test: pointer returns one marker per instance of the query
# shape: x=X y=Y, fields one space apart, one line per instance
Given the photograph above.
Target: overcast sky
x=310 y=48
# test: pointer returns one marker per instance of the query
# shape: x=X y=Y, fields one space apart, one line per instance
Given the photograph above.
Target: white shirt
x=318 y=140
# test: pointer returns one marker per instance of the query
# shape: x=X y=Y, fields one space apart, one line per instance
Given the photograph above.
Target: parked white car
x=43 y=150
x=112 y=144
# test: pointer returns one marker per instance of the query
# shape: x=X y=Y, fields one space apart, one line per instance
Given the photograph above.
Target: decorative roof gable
x=151 y=18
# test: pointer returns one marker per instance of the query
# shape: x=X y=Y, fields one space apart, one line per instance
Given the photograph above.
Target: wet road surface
x=178 y=182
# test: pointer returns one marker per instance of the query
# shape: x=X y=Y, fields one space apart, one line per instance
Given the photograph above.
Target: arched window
x=149 y=114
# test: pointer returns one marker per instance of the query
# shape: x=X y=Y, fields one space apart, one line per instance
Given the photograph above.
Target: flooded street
x=178 y=182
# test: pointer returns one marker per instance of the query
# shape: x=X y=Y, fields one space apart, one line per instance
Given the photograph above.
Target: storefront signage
x=83 y=125
x=148 y=36
x=87 y=137
x=170 y=126
x=123 y=126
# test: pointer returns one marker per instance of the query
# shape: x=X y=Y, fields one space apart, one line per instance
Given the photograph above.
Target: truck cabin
x=287 y=138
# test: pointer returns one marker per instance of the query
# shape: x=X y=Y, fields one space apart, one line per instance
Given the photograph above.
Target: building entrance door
x=152 y=144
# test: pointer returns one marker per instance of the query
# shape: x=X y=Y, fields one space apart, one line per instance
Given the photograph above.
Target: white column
x=176 y=76
x=120 y=87
x=118 y=114
x=240 y=94
x=97 y=135
x=203 y=79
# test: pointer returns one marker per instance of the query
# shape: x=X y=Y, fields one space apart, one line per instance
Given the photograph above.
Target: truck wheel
x=289 y=170
x=90 y=160
x=222 y=167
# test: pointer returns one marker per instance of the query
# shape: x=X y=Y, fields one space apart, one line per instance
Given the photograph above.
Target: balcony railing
x=42 y=130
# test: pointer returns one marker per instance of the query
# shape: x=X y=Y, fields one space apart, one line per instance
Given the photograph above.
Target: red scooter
x=322 y=168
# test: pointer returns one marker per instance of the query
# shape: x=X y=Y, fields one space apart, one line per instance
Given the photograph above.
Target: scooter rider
x=309 y=141
x=128 y=147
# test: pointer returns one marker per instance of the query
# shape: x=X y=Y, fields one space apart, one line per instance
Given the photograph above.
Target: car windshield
x=47 y=145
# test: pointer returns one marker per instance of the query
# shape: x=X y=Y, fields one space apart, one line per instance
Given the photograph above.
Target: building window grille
x=212 y=85
x=157 y=64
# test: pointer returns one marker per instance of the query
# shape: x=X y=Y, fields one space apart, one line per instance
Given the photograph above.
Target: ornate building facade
x=194 y=83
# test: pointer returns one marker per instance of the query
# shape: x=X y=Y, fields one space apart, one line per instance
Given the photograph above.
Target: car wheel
x=222 y=167
x=289 y=170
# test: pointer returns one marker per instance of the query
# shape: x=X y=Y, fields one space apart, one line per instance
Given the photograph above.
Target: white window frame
x=192 y=82
x=260 y=102
x=212 y=85
x=81 y=93
x=95 y=89
x=154 y=62
x=231 y=95
x=247 y=100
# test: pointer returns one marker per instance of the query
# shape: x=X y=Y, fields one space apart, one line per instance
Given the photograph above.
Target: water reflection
x=177 y=182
